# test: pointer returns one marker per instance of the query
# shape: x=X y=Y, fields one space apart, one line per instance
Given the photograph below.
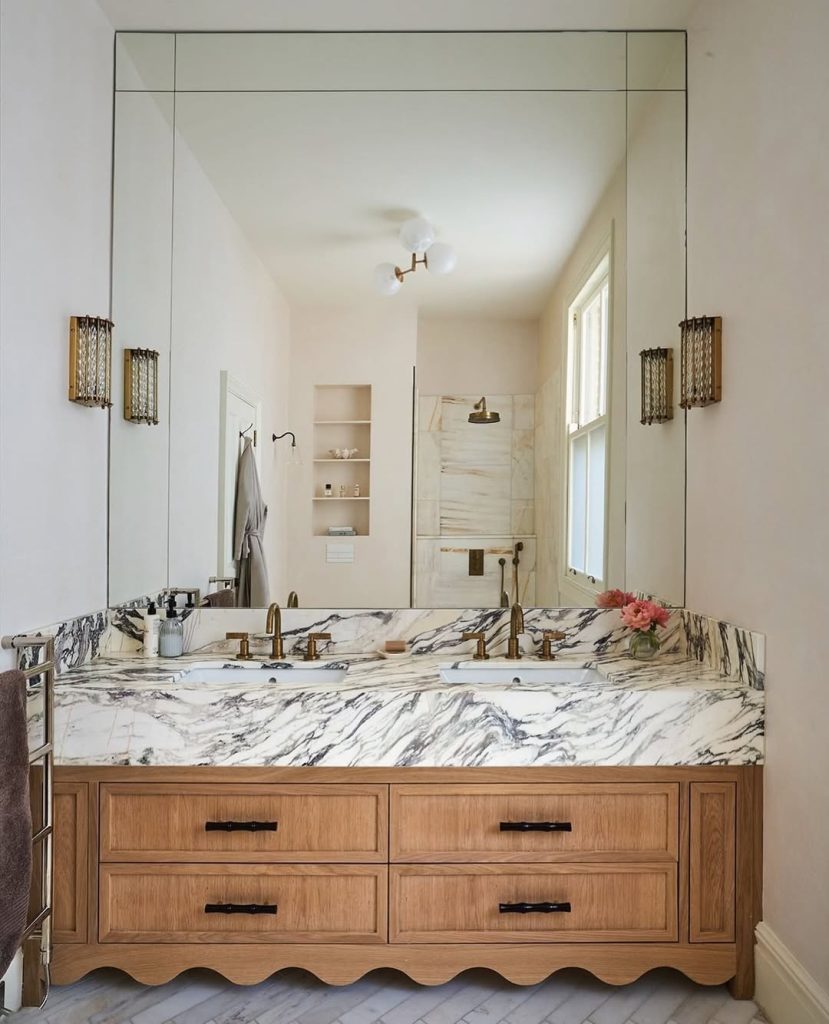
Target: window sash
x=588 y=439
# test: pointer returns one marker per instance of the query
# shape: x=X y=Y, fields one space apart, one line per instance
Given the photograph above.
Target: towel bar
x=36 y=658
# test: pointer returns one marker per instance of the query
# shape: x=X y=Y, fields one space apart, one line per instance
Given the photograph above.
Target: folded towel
x=15 y=816
x=225 y=598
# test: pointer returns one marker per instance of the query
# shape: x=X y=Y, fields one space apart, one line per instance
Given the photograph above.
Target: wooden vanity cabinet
x=432 y=871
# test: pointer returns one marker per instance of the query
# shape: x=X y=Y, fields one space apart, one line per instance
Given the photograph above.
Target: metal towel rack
x=36 y=658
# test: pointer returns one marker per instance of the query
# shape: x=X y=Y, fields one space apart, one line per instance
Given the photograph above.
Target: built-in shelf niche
x=342 y=419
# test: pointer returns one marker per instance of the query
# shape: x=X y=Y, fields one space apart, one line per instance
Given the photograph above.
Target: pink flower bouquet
x=642 y=617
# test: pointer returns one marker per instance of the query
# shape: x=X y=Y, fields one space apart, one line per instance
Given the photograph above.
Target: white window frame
x=599 y=268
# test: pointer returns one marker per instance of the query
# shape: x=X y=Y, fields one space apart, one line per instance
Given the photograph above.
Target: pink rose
x=614 y=599
x=644 y=615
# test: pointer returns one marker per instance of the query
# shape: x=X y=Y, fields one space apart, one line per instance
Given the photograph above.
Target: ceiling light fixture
x=417 y=236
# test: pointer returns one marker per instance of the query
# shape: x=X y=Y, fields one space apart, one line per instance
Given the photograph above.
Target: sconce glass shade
x=441 y=258
x=141 y=385
x=90 y=361
x=385 y=279
x=657 y=366
x=701 y=366
x=293 y=458
x=417 y=234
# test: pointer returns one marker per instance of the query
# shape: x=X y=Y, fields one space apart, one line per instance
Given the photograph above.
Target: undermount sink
x=244 y=674
x=521 y=672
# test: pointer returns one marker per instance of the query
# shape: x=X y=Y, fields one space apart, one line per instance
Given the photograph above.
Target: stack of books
x=341 y=531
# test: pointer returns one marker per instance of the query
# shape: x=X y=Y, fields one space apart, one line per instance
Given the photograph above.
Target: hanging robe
x=248 y=534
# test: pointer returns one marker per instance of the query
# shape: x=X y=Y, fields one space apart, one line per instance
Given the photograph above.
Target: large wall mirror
x=530 y=190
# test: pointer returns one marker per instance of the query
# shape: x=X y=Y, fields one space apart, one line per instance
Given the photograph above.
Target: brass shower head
x=483 y=415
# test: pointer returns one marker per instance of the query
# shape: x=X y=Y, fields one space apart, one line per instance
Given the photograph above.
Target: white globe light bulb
x=417 y=235
x=385 y=279
x=441 y=258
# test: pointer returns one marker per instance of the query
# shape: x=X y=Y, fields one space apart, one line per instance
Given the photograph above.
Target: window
x=587 y=428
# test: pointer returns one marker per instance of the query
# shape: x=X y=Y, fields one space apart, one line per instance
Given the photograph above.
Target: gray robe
x=248 y=532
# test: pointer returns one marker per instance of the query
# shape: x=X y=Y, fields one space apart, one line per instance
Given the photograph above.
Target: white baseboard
x=785 y=991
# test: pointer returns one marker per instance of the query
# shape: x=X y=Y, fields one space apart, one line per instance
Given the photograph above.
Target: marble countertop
x=128 y=710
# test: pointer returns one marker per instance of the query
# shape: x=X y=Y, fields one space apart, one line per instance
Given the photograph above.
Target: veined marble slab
x=400 y=713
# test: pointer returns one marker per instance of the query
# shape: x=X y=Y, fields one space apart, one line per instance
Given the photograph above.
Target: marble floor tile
x=387 y=997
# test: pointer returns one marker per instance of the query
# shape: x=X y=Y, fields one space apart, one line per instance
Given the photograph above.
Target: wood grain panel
x=70 y=870
x=610 y=903
x=166 y=823
x=712 y=862
x=166 y=903
x=618 y=822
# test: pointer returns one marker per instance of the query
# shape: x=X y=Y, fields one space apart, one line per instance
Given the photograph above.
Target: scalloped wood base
x=525 y=964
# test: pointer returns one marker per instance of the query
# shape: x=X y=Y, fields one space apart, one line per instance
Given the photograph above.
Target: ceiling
x=253 y=15
x=319 y=183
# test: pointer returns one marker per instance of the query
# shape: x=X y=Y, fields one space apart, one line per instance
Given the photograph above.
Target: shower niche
x=341 y=499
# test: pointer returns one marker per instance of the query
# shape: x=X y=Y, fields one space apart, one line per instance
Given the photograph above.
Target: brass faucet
x=293 y=599
x=480 y=649
x=547 y=638
x=311 y=653
x=273 y=628
x=516 y=626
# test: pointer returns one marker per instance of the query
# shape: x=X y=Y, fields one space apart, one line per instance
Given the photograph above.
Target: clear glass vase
x=644 y=646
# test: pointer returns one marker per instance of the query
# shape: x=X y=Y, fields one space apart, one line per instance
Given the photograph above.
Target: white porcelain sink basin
x=245 y=674
x=522 y=672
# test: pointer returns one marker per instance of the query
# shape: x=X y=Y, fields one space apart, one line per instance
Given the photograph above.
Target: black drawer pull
x=534 y=908
x=240 y=826
x=536 y=826
x=240 y=908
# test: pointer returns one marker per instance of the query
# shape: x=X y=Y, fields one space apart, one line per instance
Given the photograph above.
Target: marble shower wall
x=475 y=489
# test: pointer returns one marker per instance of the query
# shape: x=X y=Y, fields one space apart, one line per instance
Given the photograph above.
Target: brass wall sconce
x=90 y=361
x=141 y=385
x=657 y=385
x=701 y=374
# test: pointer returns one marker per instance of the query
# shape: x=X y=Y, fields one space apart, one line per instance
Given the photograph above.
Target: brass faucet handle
x=547 y=638
x=311 y=653
x=244 y=645
x=480 y=651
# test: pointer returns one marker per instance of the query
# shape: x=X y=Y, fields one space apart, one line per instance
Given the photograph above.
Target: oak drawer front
x=269 y=903
x=612 y=822
x=243 y=823
x=499 y=903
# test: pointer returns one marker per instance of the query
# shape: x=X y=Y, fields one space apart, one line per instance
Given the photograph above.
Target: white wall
x=228 y=314
x=373 y=345
x=758 y=486
x=56 y=107
x=462 y=355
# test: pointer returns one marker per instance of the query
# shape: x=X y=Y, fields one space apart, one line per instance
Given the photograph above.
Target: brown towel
x=15 y=816
x=225 y=598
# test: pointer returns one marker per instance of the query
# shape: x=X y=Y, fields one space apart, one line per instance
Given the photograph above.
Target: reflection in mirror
x=465 y=439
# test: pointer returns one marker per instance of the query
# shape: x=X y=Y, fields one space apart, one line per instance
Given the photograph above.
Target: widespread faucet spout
x=516 y=626
x=273 y=627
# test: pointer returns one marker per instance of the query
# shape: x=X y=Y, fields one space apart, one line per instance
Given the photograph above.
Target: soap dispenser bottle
x=171 y=636
x=152 y=626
